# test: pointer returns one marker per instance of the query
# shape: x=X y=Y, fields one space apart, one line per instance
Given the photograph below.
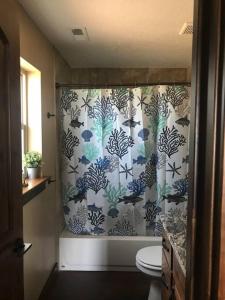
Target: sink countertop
x=177 y=238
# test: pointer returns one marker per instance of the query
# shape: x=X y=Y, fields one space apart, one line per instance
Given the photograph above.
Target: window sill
x=35 y=187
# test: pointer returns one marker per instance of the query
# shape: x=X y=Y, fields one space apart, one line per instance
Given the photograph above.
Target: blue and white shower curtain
x=124 y=158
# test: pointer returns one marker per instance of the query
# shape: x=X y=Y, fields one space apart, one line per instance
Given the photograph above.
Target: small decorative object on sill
x=32 y=162
x=24 y=183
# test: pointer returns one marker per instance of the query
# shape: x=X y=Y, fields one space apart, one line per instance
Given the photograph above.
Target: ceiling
x=122 y=33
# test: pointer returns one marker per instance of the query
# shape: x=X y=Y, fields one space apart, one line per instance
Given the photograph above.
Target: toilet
x=149 y=261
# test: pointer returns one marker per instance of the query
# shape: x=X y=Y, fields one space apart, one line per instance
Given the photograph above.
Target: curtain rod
x=98 y=86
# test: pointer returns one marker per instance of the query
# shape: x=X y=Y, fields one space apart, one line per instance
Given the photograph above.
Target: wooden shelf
x=35 y=186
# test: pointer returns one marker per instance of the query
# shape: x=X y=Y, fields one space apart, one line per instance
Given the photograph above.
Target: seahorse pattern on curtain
x=124 y=158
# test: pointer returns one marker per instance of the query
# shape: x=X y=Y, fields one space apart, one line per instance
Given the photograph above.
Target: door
x=206 y=206
x=11 y=265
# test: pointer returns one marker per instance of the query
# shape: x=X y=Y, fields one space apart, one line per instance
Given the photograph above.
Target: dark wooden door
x=11 y=265
x=205 y=242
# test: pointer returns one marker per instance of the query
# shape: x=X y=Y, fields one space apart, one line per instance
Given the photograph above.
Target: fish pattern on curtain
x=124 y=158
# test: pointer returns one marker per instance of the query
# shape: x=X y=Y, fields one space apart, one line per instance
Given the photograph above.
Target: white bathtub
x=101 y=253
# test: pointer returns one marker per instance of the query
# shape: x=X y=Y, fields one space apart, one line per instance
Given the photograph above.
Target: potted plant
x=32 y=161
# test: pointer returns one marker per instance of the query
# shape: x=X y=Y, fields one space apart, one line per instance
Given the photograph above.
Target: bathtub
x=101 y=253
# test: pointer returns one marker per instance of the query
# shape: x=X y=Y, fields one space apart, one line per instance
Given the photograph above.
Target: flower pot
x=33 y=173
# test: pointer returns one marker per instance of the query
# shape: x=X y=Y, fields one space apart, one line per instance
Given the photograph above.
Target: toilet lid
x=150 y=256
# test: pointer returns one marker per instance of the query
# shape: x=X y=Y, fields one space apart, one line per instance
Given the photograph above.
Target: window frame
x=24 y=110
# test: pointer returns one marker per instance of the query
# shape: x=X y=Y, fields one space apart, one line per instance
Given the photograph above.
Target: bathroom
x=120 y=141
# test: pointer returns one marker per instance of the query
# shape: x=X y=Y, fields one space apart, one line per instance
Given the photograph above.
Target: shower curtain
x=124 y=158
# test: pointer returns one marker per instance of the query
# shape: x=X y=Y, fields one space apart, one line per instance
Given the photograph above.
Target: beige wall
x=128 y=76
x=40 y=214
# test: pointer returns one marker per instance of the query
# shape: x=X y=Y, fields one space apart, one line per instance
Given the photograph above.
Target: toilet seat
x=148 y=266
x=150 y=272
x=150 y=257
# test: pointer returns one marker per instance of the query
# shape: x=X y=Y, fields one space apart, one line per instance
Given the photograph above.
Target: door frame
x=11 y=240
x=206 y=151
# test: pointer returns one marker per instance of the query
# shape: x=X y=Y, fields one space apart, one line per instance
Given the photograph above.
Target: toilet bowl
x=149 y=261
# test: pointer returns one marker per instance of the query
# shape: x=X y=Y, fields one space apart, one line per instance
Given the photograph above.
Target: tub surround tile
x=108 y=76
x=177 y=238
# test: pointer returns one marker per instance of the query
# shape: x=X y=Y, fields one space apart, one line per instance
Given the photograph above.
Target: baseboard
x=49 y=280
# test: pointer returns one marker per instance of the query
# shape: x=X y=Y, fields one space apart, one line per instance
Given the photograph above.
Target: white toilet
x=149 y=261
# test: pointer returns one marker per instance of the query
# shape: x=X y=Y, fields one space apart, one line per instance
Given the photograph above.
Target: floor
x=69 y=285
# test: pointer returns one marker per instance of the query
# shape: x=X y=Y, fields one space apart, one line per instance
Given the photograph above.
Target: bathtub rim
x=68 y=234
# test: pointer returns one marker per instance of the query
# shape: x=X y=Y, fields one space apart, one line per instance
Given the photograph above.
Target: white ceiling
x=123 y=33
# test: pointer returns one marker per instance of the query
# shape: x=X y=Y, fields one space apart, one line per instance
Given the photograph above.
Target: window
x=24 y=108
x=31 y=123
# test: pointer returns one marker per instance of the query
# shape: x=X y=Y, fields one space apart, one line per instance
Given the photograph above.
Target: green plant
x=32 y=159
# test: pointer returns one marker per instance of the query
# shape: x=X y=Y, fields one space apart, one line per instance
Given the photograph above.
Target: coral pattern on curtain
x=124 y=158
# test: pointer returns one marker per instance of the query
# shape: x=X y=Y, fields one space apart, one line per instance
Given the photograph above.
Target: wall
x=128 y=76
x=40 y=214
